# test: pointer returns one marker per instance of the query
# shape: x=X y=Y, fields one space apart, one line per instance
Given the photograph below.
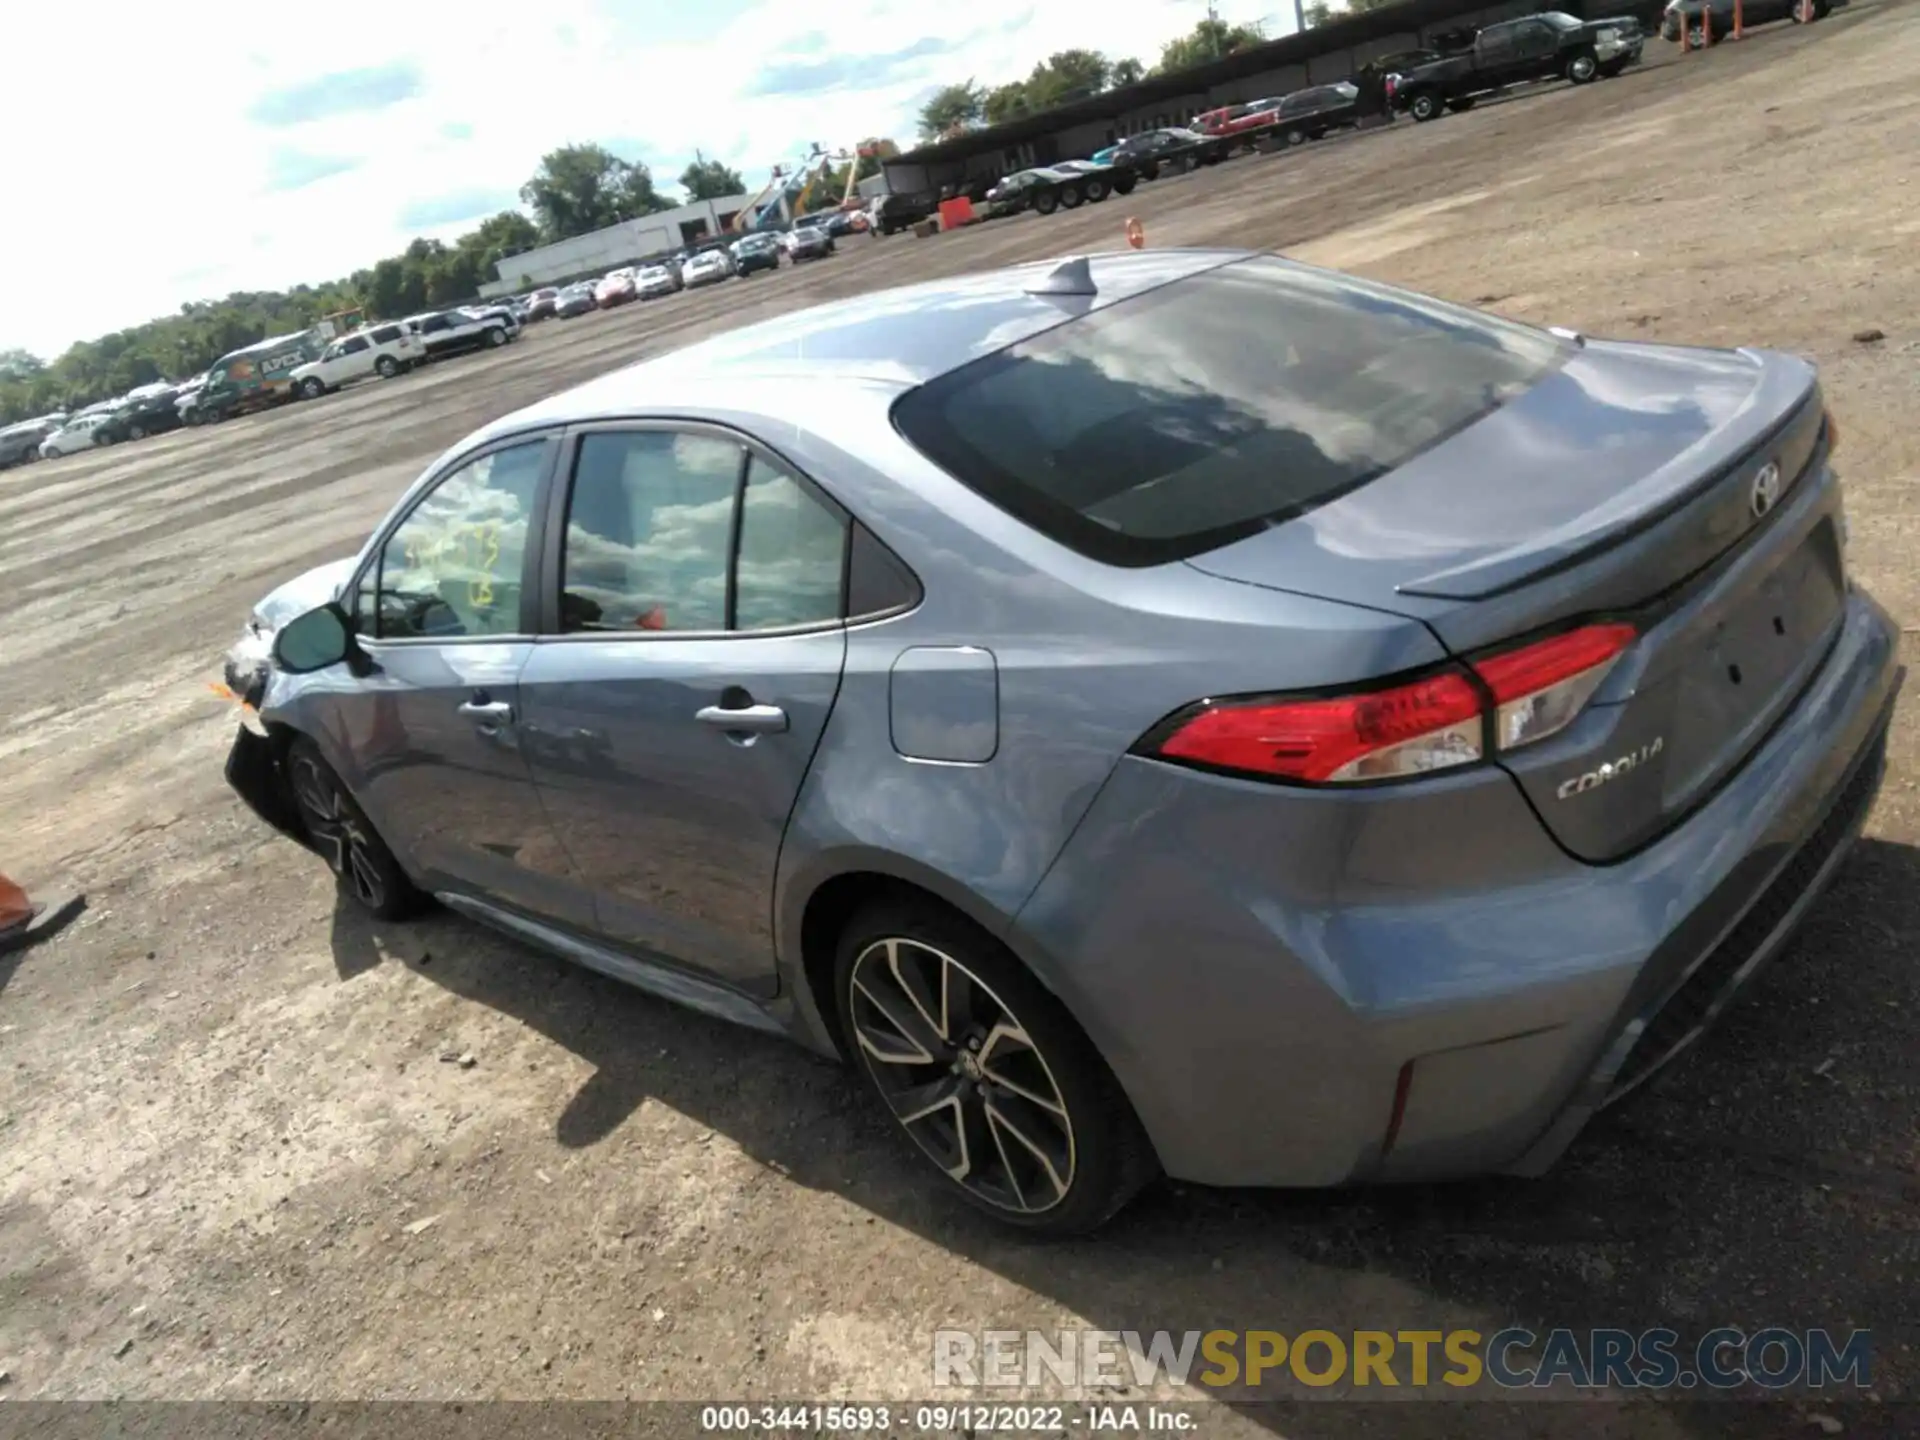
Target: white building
x=622 y=244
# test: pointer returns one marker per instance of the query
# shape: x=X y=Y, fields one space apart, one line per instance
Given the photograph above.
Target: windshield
x=1196 y=414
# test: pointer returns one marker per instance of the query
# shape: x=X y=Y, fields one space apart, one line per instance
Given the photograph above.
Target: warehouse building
x=1339 y=50
x=627 y=243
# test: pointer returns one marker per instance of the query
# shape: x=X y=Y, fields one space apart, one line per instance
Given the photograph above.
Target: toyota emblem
x=1766 y=489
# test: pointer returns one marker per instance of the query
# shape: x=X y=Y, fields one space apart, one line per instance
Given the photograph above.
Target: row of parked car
x=809 y=238
x=1421 y=84
x=304 y=365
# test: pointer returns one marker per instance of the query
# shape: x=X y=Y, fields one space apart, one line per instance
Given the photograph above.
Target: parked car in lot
x=452 y=332
x=807 y=241
x=1318 y=111
x=502 y=312
x=382 y=350
x=616 y=287
x=1173 y=147
x=573 y=301
x=1048 y=188
x=541 y=304
x=251 y=378
x=1241 y=124
x=77 y=434
x=890 y=212
x=1384 y=777
x=143 y=411
x=755 y=252
x=708 y=268
x=1120 y=176
x=655 y=282
x=1548 y=46
x=20 y=443
x=1701 y=24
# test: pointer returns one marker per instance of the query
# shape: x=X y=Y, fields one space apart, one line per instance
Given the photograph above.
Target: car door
x=1536 y=50
x=695 y=649
x=1496 y=55
x=355 y=361
x=431 y=732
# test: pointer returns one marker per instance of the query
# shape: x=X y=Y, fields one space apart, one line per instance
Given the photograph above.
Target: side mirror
x=313 y=641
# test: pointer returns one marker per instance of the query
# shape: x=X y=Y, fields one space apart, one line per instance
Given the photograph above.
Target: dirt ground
x=234 y=1162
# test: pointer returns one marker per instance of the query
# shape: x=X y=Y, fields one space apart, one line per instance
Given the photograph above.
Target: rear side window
x=386 y=334
x=1194 y=415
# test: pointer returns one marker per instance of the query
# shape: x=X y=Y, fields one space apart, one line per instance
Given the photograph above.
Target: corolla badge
x=1766 y=489
x=1612 y=770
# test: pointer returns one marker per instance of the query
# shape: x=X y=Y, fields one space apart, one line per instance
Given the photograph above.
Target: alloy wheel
x=962 y=1075
x=338 y=834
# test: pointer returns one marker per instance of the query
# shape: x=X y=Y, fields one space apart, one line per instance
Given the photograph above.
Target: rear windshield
x=1194 y=415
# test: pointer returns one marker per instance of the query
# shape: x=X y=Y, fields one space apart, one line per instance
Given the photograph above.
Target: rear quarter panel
x=1086 y=659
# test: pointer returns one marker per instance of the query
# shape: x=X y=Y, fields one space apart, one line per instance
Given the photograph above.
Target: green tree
x=1318 y=13
x=1007 y=102
x=950 y=107
x=1209 y=40
x=19 y=366
x=706 y=179
x=582 y=188
x=1068 y=75
x=1126 y=72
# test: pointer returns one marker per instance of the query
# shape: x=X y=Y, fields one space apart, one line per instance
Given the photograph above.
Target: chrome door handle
x=487 y=710
x=752 y=719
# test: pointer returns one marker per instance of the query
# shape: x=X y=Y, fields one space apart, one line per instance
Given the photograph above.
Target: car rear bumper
x=1411 y=983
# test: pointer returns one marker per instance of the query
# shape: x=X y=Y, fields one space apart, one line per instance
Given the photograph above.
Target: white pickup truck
x=383 y=350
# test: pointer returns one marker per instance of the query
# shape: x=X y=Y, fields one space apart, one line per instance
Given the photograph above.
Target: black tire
x=386 y=367
x=343 y=836
x=1070 y=196
x=1462 y=105
x=136 y=431
x=1096 y=191
x=1125 y=183
x=1150 y=170
x=1424 y=105
x=1697 y=37
x=311 y=388
x=1045 y=202
x=1612 y=68
x=1041 y=1078
x=1583 y=68
x=496 y=336
x=1296 y=136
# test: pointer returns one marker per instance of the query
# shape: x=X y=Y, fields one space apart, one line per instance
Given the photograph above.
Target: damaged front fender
x=255 y=772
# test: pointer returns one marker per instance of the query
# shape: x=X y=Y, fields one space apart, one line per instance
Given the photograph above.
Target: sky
x=183 y=152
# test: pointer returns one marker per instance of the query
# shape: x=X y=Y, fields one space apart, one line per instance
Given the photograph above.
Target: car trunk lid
x=1628 y=484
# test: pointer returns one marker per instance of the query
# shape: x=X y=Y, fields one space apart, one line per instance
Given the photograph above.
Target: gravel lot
x=234 y=1165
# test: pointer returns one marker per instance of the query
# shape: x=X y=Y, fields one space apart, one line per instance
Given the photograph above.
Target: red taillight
x=1429 y=725
x=1432 y=724
x=1540 y=688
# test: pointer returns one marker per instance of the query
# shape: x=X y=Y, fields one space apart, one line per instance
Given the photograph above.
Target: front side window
x=452 y=569
x=1198 y=413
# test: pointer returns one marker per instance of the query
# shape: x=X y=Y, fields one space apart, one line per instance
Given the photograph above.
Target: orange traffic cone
x=23 y=923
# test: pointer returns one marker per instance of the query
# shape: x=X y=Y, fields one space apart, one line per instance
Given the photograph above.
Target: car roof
x=896 y=338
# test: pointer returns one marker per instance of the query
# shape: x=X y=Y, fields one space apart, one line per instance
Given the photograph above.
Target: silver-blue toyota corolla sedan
x=1180 y=711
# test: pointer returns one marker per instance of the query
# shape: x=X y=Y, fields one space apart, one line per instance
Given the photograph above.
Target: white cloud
x=166 y=147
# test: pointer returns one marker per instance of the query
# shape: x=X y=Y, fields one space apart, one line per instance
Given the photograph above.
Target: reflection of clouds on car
x=453 y=567
x=649 y=531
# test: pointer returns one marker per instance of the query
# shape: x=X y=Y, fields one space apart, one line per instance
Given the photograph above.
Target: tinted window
x=433 y=323
x=792 y=553
x=1195 y=414
x=453 y=567
x=353 y=346
x=649 y=530
x=386 y=334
